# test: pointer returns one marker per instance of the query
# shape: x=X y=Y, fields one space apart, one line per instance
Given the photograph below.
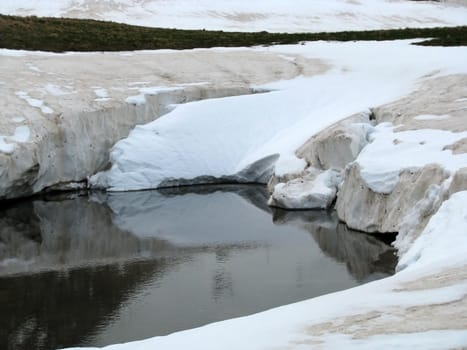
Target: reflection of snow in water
x=183 y=259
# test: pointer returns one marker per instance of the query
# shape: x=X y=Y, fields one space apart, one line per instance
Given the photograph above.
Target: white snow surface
x=8 y=143
x=445 y=232
x=140 y=99
x=431 y=117
x=406 y=150
x=34 y=102
x=6 y=147
x=21 y=134
x=101 y=94
x=321 y=322
x=247 y=15
x=240 y=138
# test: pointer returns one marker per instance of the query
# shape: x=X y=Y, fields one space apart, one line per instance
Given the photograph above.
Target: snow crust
x=315 y=190
x=245 y=15
x=55 y=90
x=431 y=117
x=406 y=150
x=8 y=143
x=6 y=147
x=101 y=94
x=240 y=138
x=21 y=134
x=34 y=102
x=140 y=99
x=18 y=119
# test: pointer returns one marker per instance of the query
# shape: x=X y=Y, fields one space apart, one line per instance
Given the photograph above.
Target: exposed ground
x=61 y=34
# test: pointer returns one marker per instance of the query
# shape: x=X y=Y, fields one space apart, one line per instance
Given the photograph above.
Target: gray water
x=110 y=268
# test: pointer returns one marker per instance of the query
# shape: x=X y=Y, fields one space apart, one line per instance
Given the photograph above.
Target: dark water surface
x=110 y=268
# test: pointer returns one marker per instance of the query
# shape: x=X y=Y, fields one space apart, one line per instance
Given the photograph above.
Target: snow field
x=258 y=15
x=240 y=137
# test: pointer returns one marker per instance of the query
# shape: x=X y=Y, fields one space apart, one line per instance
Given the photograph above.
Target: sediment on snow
x=326 y=154
x=77 y=143
x=63 y=112
x=396 y=169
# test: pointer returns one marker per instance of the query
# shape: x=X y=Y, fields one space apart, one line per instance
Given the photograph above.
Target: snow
x=140 y=99
x=5 y=147
x=246 y=15
x=21 y=134
x=18 y=119
x=406 y=150
x=244 y=137
x=225 y=137
x=33 y=67
x=371 y=316
x=434 y=340
x=431 y=117
x=102 y=94
x=432 y=245
x=316 y=190
x=8 y=143
x=34 y=102
x=136 y=100
x=55 y=90
x=240 y=138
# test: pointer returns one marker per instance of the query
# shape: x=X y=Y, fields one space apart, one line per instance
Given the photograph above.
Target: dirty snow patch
x=18 y=119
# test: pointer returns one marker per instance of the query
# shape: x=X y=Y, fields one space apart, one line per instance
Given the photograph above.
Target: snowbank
x=406 y=150
x=76 y=106
x=240 y=138
x=244 y=15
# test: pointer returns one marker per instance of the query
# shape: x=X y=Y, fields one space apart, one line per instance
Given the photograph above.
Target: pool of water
x=108 y=268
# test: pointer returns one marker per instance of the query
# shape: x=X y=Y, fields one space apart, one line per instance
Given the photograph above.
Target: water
x=109 y=268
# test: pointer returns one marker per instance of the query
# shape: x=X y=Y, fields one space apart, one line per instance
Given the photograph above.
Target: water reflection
x=118 y=267
x=366 y=257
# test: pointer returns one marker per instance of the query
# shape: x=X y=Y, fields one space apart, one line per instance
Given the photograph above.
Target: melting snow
x=431 y=117
x=406 y=150
x=34 y=102
x=150 y=90
x=8 y=143
x=21 y=134
x=102 y=94
x=236 y=137
x=18 y=119
x=55 y=90
x=5 y=147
